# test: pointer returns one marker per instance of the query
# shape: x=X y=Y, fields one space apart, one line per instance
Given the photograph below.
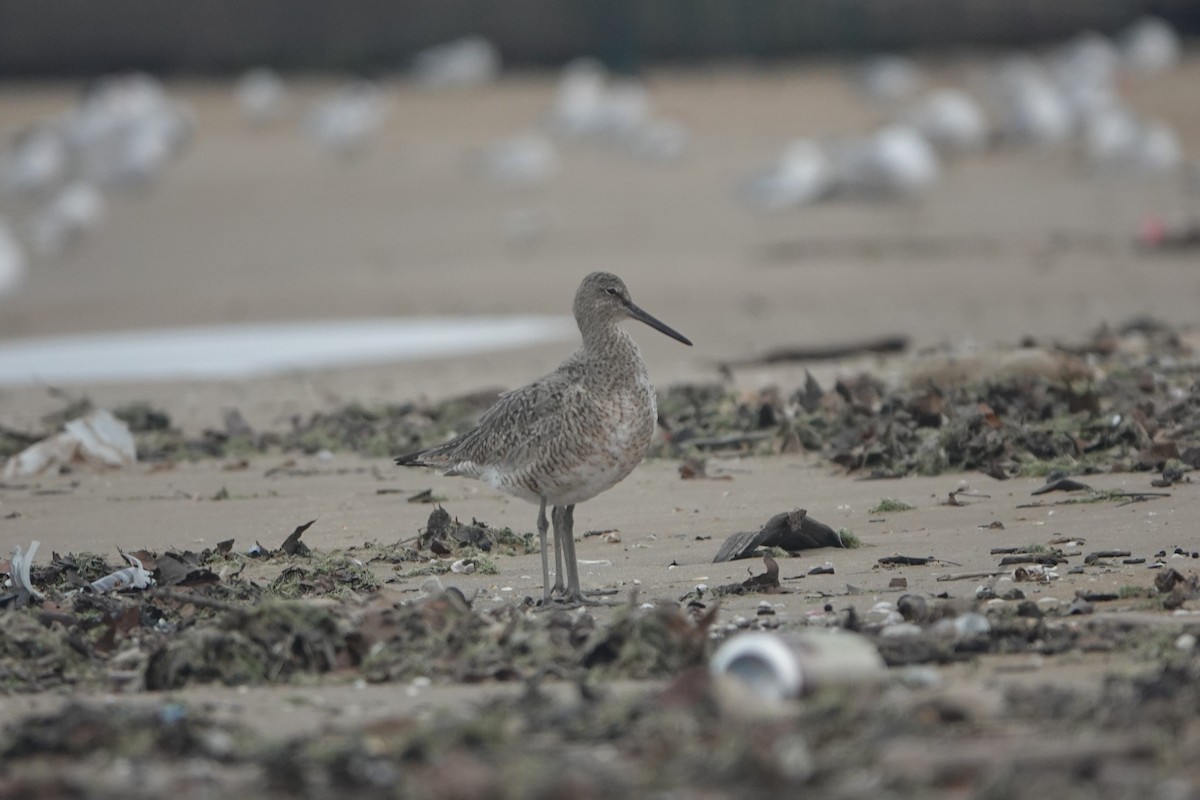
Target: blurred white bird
x=1029 y=107
x=618 y=113
x=76 y=210
x=659 y=140
x=1150 y=45
x=580 y=98
x=890 y=79
x=466 y=62
x=895 y=162
x=262 y=95
x=35 y=162
x=13 y=265
x=344 y=122
x=521 y=161
x=803 y=174
x=1085 y=71
x=951 y=120
x=126 y=130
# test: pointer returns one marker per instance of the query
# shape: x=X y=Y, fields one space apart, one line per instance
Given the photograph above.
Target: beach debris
x=1103 y=555
x=1155 y=233
x=889 y=505
x=134 y=576
x=696 y=468
x=906 y=561
x=1036 y=573
x=184 y=569
x=18 y=572
x=882 y=345
x=790 y=530
x=787 y=666
x=1059 y=482
x=98 y=439
x=292 y=545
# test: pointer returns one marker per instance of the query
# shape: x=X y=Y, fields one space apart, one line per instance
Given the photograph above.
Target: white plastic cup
x=779 y=667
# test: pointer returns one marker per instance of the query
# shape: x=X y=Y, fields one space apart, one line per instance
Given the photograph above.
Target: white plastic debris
x=98 y=438
x=134 y=576
x=781 y=667
x=20 y=572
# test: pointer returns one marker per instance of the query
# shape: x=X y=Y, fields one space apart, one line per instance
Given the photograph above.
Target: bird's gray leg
x=567 y=536
x=557 y=516
x=543 y=526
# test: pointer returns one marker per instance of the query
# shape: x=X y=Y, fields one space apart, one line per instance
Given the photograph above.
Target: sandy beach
x=254 y=224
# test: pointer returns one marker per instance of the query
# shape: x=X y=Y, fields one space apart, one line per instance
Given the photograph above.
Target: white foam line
x=236 y=351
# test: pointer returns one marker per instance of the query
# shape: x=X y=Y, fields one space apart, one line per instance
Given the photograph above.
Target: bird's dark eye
x=612 y=290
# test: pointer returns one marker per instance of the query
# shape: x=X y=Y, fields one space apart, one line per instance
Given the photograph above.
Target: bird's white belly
x=609 y=458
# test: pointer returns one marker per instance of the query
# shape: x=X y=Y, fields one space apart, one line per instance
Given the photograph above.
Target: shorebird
x=569 y=435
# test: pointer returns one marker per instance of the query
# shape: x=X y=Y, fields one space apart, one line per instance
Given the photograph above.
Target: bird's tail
x=416 y=459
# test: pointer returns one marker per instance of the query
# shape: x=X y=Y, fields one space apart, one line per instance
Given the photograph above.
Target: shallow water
x=233 y=351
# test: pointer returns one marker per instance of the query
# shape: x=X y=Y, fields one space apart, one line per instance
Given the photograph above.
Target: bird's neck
x=609 y=340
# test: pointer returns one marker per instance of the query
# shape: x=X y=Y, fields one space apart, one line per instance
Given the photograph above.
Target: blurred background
x=762 y=173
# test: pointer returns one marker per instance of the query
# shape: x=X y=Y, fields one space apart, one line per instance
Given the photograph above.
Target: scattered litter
x=132 y=577
x=1059 y=482
x=19 y=564
x=906 y=561
x=780 y=667
x=791 y=530
x=98 y=438
x=463 y=566
x=292 y=545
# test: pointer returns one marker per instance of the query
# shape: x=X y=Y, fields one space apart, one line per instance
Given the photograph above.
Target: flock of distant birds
x=126 y=129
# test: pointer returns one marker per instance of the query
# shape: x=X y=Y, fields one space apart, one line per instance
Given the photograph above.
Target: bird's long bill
x=662 y=327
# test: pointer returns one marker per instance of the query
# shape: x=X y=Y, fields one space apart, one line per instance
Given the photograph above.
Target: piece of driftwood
x=881 y=345
x=907 y=561
x=791 y=530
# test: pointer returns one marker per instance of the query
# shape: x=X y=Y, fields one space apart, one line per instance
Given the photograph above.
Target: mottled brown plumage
x=571 y=434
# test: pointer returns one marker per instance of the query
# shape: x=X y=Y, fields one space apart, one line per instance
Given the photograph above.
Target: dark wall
x=73 y=37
